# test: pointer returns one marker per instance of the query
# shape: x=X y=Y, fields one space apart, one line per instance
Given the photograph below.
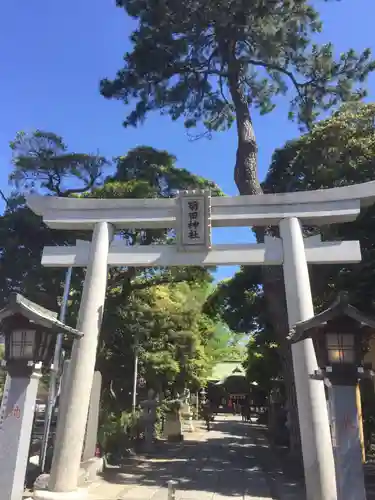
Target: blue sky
x=53 y=54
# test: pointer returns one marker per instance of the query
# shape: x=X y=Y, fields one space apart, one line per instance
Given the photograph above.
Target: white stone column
x=348 y=449
x=312 y=407
x=72 y=420
x=91 y=436
x=16 y=423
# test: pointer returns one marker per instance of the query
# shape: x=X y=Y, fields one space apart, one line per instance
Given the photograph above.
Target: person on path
x=207 y=414
x=244 y=412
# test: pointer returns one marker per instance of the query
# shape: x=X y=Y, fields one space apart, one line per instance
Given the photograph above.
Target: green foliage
x=203 y=60
x=171 y=330
x=235 y=301
x=240 y=302
x=161 y=307
x=158 y=169
x=41 y=161
x=225 y=345
x=338 y=151
x=22 y=237
x=117 y=433
x=262 y=362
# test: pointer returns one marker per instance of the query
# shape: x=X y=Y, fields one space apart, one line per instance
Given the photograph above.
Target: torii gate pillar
x=73 y=418
x=311 y=401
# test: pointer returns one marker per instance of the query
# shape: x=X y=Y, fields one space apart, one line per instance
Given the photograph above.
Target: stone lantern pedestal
x=30 y=333
x=186 y=413
x=340 y=334
x=173 y=422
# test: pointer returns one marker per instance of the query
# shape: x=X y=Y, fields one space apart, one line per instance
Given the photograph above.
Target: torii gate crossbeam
x=270 y=253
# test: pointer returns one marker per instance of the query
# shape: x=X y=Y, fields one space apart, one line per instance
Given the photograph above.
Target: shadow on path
x=228 y=461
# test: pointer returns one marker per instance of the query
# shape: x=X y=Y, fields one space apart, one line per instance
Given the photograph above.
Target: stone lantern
x=29 y=333
x=340 y=335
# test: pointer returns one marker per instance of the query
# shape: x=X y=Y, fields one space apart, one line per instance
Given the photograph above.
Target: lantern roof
x=18 y=304
x=338 y=309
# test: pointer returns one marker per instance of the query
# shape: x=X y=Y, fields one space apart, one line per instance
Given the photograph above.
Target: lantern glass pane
x=22 y=343
x=43 y=348
x=341 y=348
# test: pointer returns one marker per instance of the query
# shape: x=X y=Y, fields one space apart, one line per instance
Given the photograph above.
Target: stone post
x=16 y=422
x=73 y=416
x=186 y=412
x=135 y=372
x=347 y=443
x=316 y=440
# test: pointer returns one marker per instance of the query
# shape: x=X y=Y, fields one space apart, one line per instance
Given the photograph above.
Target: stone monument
x=148 y=418
x=186 y=413
x=173 y=421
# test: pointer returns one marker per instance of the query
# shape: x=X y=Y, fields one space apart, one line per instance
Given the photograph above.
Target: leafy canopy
x=226 y=345
x=240 y=303
x=41 y=160
x=338 y=151
x=162 y=306
x=195 y=59
x=172 y=333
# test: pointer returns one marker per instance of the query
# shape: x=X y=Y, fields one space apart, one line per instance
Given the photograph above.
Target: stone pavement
x=225 y=462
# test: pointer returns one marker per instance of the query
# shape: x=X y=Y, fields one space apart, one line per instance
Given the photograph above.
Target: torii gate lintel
x=270 y=253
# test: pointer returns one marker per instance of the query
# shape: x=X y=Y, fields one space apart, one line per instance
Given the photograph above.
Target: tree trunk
x=247 y=181
x=274 y=291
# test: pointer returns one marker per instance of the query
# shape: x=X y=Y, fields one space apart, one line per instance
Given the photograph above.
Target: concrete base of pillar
x=80 y=494
x=88 y=474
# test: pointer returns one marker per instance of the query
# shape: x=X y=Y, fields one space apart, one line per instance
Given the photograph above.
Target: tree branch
x=85 y=188
x=124 y=279
x=298 y=86
x=2 y=195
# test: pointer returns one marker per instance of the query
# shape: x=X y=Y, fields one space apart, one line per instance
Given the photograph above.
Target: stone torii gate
x=192 y=214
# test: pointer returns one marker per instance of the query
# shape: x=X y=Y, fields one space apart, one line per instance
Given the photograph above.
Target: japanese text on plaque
x=193 y=220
